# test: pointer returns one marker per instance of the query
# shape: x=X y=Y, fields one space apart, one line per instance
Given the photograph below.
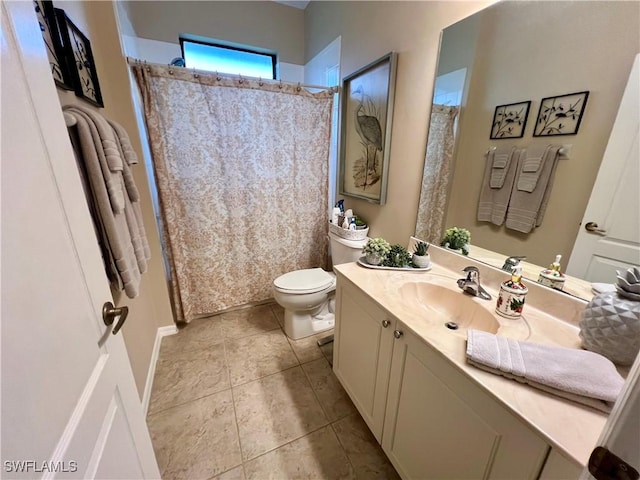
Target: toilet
x=307 y=295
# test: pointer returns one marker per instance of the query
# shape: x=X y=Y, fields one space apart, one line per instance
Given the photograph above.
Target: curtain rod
x=135 y=61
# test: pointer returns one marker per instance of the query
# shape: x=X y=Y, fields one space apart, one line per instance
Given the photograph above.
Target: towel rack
x=563 y=153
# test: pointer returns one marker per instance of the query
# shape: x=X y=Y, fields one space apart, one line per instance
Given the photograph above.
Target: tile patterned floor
x=234 y=399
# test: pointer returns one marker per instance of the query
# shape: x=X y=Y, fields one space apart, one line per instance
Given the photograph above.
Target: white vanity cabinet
x=432 y=421
x=362 y=354
x=439 y=425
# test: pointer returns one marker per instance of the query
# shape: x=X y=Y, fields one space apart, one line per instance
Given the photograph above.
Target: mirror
x=515 y=52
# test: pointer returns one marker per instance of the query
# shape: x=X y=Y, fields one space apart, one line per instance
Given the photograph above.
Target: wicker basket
x=348 y=234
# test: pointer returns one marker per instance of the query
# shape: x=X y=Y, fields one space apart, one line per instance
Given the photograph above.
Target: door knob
x=397 y=333
x=386 y=323
x=110 y=313
x=593 y=227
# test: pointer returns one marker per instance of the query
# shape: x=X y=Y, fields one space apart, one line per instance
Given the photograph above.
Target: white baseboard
x=162 y=332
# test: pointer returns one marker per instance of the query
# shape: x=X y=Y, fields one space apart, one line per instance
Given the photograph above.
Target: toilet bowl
x=307 y=295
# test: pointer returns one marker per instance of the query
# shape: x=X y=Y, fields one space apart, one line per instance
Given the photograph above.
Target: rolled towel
x=577 y=375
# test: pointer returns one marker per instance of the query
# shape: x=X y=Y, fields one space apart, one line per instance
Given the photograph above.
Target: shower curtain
x=437 y=173
x=242 y=175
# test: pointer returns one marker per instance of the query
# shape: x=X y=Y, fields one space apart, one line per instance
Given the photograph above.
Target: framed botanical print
x=367 y=109
x=80 y=57
x=509 y=121
x=560 y=115
x=50 y=29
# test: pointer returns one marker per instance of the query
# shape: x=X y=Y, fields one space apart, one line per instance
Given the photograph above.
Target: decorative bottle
x=511 y=297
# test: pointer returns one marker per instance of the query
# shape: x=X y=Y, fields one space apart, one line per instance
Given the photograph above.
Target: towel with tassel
x=532 y=187
x=578 y=375
x=498 y=179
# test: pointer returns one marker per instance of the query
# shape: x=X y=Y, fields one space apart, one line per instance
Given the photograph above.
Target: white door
x=609 y=239
x=70 y=408
x=621 y=435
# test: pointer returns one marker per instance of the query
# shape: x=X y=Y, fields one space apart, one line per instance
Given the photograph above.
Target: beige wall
x=268 y=25
x=369 y=30
x=151 y=309
x=531 y=50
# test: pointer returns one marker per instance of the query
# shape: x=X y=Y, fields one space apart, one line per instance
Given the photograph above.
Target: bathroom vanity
x=435 y=415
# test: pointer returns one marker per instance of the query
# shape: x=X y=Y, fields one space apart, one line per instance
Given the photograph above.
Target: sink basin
x=444 y=305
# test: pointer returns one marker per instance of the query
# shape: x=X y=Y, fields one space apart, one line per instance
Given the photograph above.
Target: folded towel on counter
x=532 y=187
x=499 y=175
x=603 y=287
x=582 y=376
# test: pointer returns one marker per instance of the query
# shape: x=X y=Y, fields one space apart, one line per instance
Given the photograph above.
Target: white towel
x=579 y=375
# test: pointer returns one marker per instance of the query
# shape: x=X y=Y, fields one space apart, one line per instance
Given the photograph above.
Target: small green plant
x=377 y=246
x=398 y=257
x=456 y=238
x=421 y=249
x=360 y=222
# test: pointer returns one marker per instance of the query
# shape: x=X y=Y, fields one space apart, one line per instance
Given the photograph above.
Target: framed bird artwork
x=367 y=110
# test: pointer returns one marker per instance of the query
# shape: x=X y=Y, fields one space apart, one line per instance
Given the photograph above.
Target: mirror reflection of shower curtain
x=437 y=174
x=242 y=175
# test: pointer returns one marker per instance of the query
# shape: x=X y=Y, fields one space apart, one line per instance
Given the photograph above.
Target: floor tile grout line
x=265 y=376
x=346 y=454
x=235 y=413
x=315 y=394
x=290 y=441
x=153 y=414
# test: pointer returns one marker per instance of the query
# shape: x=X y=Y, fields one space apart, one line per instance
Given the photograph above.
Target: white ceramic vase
x=373 y=259
x=421 y=261
x=611 y=327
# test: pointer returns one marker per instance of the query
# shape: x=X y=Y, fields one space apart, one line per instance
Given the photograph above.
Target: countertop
x=570 y=427
x=574 y=286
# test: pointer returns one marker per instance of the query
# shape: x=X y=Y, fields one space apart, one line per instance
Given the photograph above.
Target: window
x=224 y=59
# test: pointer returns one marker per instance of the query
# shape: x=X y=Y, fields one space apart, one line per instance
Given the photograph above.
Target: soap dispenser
x=511 y=297
x=552 y=276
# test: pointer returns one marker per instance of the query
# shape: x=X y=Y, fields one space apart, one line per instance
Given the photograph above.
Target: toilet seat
x=299 y=282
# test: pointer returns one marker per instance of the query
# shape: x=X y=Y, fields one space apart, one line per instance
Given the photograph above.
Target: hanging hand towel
x=577 y=375
x=121 y=225
x=499 y=175
x=106 y=147
x=532 y=188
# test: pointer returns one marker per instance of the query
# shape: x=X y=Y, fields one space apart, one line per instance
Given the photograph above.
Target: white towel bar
x=563 y=153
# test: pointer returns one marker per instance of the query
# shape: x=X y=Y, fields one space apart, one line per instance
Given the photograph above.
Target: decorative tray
x=363 y=262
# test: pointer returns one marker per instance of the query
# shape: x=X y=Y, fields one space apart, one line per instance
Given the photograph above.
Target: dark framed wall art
x=365 y=140
x=509 y=121
x=51 y=33
x=78 y=52
x=560 y=115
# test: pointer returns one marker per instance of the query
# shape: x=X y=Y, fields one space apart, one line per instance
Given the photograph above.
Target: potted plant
x=457 y=239
x=420 y=257
x=397 y=257
x=376 y=250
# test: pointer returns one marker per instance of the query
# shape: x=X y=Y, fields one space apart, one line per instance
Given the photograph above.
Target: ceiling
x=294 y=3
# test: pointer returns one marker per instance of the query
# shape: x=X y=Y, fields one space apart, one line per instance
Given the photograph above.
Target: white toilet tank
x=345 y=251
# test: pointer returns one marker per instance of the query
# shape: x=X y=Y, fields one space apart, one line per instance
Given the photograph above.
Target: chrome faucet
x=511 y=262
x=471 y=284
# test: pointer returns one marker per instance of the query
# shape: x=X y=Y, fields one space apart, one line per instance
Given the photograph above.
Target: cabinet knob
x=397 y=334
x=386 y=323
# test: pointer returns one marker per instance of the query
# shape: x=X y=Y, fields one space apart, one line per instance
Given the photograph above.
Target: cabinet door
x=439 y=425
x=558 y=467
x=362 y=353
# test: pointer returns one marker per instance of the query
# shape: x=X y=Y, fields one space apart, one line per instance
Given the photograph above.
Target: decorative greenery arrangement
x=457 y=239
x=377 y=246
x=398 y=257
x=421 y=249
